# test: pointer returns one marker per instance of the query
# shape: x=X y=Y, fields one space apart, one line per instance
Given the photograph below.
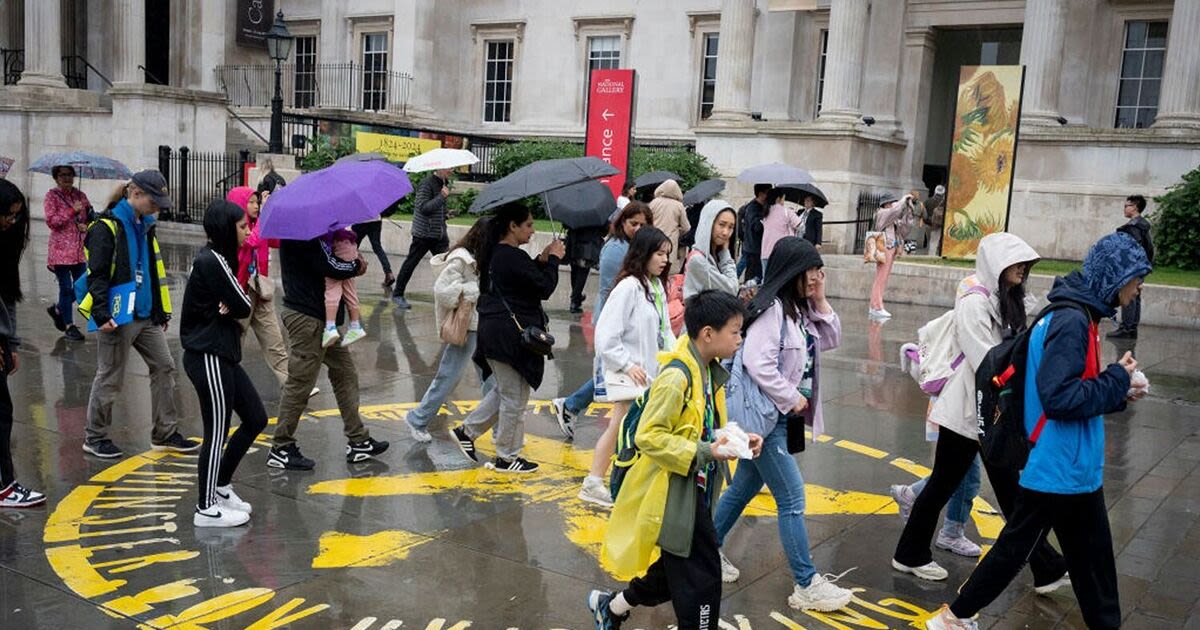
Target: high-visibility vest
x=84 y=297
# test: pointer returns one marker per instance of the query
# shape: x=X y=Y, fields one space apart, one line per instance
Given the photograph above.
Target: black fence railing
x=347 y=86
x=75 y=68
x=197 y=177
x=13 y=60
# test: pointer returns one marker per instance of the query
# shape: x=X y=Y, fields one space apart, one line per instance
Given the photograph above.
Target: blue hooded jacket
x=1069 y=455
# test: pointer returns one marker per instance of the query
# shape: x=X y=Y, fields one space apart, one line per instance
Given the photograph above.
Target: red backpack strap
x=1091 y=369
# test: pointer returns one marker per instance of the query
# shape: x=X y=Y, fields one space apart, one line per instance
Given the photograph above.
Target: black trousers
x=691 y=584
x=6 y=423
x=1081 y=523
x=579 y=278
x=951 y=462
x=1131 y=314
x=754 y=268
x=373 y=231
x=223 y=388
x=417 y=251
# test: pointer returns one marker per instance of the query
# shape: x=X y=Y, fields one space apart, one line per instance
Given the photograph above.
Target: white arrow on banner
x=607 y=114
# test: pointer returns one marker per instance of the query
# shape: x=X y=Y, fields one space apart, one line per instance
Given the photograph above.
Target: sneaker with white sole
x=878 y=313
x=227 y=498
x=932 y=571
x=729 y=573
x=904 y=498
x=945 y=620
x=353 y=334
x=419 y=434
x=594 y=491
x=958 y=544
x=1048 y=589
x=18 y=496
x=289 y=457
x=519 y=465
x=821 y=594
x=176 y=443
x=364 y=450
x=104 y=449
x=465 y=443
x=216 y=516
x=565 y=417
x=330 y=337
x=598 y=603
x=314 y=392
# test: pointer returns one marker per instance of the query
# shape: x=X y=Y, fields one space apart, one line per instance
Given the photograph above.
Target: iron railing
x=346 y=86
x=195 y=178
x=75 y=68
x=14 y=64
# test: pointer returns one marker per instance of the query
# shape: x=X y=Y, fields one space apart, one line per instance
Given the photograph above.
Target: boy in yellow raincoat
x=664 y=508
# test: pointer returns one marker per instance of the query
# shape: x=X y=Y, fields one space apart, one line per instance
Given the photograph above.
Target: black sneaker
x=56 y=317
x=73 y=334
x=289 y=458
x=598 y=602
x=176 y=444
x=518 y=465
x=104 y=449
x=364 y=450
x=1122 y=333
x=18 y=496
x=576 y=309
x=465 y=443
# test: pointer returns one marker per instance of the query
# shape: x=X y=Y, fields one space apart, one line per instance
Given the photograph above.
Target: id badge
x=137 y=277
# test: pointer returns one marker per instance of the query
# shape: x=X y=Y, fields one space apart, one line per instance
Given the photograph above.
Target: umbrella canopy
x=88 y=165
x=703 y=191
x=540 y=177
x=797 y=193
x=654 y=178
x=362 y=157
x=332 y=198
x=586 y=204
x=438 y=159
x=775 y=174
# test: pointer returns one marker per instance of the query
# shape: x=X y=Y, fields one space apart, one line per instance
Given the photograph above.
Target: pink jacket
x=780 y=222
x=66 y=241
x=777 y=365
x=255 y=248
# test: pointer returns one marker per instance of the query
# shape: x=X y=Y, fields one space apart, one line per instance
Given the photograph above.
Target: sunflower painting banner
x=981 y=156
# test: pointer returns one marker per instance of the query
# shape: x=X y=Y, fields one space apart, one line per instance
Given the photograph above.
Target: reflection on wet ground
x=420 y=539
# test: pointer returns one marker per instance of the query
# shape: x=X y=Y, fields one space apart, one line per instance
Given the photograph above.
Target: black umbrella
x=703 y=191
x=653 y=178
x=797 y=192
x=540 y=177
x=586 y=204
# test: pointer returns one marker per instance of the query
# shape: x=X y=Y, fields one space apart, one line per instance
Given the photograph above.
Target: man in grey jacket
x=428 y=229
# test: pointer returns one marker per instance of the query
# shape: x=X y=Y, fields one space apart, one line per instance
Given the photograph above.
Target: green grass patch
x=542 y=225
x=1169 y=276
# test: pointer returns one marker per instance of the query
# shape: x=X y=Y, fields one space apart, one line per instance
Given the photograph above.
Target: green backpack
x=627 y=451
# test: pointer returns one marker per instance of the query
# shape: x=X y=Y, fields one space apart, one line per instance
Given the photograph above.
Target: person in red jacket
x=67 y=213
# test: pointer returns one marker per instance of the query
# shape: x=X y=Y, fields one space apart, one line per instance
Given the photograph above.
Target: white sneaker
x=821 y=594
x=227 y=498
x=945 y=620
x=218 y=516
x=594 y=491
x=329 y=337
x=1047 y=589
x=420 y=435
x=566 y=419
x=959 y=544
x=932 y=571
x=904 y=498
x=729 y=573
x=353 y=334
x=878 y=313
x=314 y=392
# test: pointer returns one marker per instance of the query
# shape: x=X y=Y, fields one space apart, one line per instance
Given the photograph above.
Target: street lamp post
x=279 y=46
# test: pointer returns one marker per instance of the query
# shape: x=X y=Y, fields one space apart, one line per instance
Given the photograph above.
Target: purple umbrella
x=332 y=198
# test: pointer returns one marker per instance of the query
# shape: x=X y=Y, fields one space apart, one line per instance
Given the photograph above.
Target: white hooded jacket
x=706 y=271
x=456 y=274
x=978 y=328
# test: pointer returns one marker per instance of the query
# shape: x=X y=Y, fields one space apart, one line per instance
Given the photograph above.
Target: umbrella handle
x=554 y=230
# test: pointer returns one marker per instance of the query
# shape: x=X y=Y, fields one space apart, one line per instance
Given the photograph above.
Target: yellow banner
x=395 y=148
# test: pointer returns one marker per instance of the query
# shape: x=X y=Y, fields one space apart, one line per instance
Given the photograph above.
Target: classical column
x=735 y=57
x=1179 y=105
x=1042 y=54
x=43 y=44
x=844 y=60
x=129 y=41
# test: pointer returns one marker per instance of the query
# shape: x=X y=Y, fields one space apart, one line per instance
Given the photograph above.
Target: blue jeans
x=450 y=371
x=579 y=401
x=67 y=275
x=779 y=470
x=959 y=508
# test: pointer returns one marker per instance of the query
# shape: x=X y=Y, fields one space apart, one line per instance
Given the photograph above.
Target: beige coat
x=669 y=214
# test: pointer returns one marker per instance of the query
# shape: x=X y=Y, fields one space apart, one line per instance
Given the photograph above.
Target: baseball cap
x=153 y=184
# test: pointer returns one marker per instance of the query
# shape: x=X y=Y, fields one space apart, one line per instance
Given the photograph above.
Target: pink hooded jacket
x=255 y=248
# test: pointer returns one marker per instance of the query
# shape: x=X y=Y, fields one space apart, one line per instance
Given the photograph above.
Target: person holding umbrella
x=67 y=216
x=428 y=229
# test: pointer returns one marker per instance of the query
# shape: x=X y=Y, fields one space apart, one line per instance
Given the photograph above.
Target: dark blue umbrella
x=87 y=165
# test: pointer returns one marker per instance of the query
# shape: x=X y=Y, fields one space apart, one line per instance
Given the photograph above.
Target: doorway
x=158 y=42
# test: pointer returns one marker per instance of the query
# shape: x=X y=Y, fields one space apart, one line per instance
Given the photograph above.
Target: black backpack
x=1000 y=397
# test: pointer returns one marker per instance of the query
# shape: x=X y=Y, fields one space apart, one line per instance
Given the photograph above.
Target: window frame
x=374 y=81
x=1138 y=107
x=305 y=97
x=822 y=59
x=509 y=80
x=705 y=58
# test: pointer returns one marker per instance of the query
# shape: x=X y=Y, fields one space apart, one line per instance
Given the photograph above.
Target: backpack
x=626 y=453
x=675 y=295
x=1000 y=397
x=745 y=402
x=937 y=354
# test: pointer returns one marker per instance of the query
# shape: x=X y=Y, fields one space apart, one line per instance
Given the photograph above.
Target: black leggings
x=951 y=461
x=6 y=422
x=579 y=278
x=223 y=387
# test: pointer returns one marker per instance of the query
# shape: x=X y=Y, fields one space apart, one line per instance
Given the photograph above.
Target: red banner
x=610 y=122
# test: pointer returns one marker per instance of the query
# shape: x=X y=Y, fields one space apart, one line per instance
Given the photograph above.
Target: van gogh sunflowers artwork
x=981 y=156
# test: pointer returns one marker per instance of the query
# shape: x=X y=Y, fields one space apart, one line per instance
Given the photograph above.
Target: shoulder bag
x=535 y=339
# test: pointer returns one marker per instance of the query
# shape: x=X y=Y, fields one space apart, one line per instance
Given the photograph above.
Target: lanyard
x=140 y=235
x=660 y=307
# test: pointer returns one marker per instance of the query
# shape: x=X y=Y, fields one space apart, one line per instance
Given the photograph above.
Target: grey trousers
x=150 y=341
x=503 y=408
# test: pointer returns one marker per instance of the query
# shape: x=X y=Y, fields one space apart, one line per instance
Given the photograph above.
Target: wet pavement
x=421 y=539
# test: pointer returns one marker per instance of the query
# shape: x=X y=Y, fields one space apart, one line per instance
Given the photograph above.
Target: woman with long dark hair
x=457 y=278
x=513 y=287
x=212 y=354
x=14 y=236
x=990 y=305
x=632 y=330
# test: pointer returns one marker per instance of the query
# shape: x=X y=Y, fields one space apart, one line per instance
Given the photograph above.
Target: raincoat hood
x=458 y=253
x=240 y=195
x=1111 y=263
x=998 y=252
x=791 y=257
x=669 y=189
x=704 y=227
